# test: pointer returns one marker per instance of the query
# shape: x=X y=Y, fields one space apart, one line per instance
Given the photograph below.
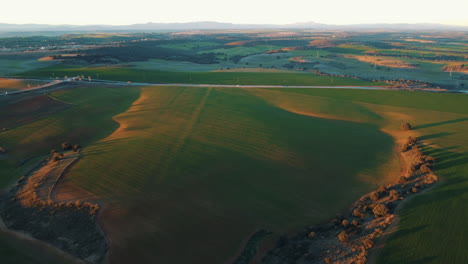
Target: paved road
x=70 y=80
x=49 y=84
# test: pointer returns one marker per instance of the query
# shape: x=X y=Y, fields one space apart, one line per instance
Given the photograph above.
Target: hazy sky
x=119 y=12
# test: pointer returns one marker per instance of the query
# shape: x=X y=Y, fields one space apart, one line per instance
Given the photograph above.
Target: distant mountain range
x=207 y=25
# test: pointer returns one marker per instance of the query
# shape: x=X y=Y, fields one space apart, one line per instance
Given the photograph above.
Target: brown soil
x=382 y=61
x=463 y=68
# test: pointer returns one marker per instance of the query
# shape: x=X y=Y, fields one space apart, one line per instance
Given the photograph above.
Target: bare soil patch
x=383 y=61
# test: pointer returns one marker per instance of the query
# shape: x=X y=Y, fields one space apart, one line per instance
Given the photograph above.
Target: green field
x=219 y=157
x=191 y=173
x=235 y=78
x=433 y=225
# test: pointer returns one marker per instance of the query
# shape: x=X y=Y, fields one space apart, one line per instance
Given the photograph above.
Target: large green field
x=192 y=169
x=188 y=174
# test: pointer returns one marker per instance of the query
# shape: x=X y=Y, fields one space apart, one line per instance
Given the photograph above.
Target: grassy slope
x=433 y=225
x=138 y=75
x=438 y=118
x=196 y=169
x=87 y=123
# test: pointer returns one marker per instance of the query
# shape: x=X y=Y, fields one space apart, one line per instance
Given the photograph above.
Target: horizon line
x=241 y=23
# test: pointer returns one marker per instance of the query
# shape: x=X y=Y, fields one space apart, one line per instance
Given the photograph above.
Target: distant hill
x=208 y=25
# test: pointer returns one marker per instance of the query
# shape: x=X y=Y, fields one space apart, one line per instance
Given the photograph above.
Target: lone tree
x=405 y=126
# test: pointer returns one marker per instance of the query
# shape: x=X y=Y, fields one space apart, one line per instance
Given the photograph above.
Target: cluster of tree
x=66 y=146
x=403 y=83
x=420 y=161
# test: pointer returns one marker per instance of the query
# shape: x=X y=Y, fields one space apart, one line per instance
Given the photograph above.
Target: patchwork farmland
x=184 y=172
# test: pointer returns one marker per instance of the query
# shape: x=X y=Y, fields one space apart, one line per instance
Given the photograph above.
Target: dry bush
x=76 y=147
x=425 y=168
x=402 y=179
x=367 y=243
x=345 y=223
x=358 y=213
x=394 y=195
x=312 y=234
x=414 y=190
x=405 y=126
x=57 y=156
x=382 y=188
x=343 y=237
x=66 y=146
x=355 y=223
x=412 y=140
x=380 y=210
x=405 y=147
x=429 y=159
x=374 y=196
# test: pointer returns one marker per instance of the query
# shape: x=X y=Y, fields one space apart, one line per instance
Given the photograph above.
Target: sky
x=340 y=12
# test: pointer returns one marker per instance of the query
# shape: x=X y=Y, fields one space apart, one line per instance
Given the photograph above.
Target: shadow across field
x=436 y=135
x=442 y=123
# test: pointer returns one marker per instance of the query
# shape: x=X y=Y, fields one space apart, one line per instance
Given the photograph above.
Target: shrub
x=374 y=196
x=382 y=188
x=312 y=234
x=66 y=146
x=414 y=190
x=425 y=168
x=402 y=179
x=429 y=159
x=405 y=126
x=394 y=195
x=52 y=151
x=411 y=140
x=343 y=237
x=345 y=223
x=358 y=213
x=380 y=210
x=368 y=243
x=405 y=148
x=76 y=147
